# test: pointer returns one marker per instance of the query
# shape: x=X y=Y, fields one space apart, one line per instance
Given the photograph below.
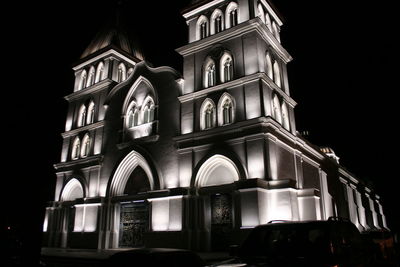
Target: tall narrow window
x=85 y=146
x=202 y=28
x=208 y=116
x=226 y=109
x=226 y=67
x=268 y=21
x=277 y=74
x=217 y=21
x=76 y=148
x=275 y=31
x=231 y=15
x=261 y=13
x=269 y=68
x=132 y=118
x=82 y=82
x=148 y=110
x=82 y=116
x=276 y=109
x=90 y=116
x=285 y=117
x=99 y=72
x=130 y=71
x=90 y=80
x=121 y=72
x=209 y=73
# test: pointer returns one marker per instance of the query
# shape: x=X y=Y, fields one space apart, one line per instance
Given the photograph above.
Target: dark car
x=153 y=257
x=311 y=243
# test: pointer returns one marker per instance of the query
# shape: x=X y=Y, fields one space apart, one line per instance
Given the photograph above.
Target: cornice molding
x=89 y=127
x=237 y=82
x=95 y=160
x=90 y=90
x=111 y=52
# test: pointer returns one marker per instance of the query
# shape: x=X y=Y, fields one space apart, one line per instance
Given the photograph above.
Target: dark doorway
x=137 y=182
x=134 y=222
x=221 y=221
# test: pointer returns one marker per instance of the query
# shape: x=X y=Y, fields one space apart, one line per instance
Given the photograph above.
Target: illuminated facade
x=153 y=158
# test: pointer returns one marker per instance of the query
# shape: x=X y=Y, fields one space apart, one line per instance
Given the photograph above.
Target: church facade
x=154 y=158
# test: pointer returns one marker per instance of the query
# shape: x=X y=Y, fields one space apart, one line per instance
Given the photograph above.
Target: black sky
x=342 y=77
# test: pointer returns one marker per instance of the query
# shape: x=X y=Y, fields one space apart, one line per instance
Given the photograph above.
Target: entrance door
x=134 y=222
x=221 y=221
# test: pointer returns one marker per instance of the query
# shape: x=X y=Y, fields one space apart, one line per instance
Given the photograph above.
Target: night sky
x=342 y=77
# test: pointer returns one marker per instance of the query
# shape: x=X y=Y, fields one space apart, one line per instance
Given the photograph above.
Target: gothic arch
x=217 y=13
x=208 y=117
x=125 y=169
x=232 y=7
x=202 y=19
x=220 y=109
x=129 y=96
x=217 y=169
x=72 y=190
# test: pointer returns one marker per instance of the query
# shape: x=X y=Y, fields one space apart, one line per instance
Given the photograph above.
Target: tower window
x=203 y=32
x=202 y=28
x=208 y=116
x=90 y=116
x=226 y=67
x=227 y=112
x=261 y=13
x=121 y=72
x=217 y=21
x=268 y=21
x=218 y=24
x=276 y=109
x=209 y=78
x=277 y=74
x=231 y=15
x=90 y=80
x=226 y=109
x=99 y=72
x=82 y=82
x=82 y=116
x=285 y=117
x=76 y=148
x=85 y=146
x=269 y=68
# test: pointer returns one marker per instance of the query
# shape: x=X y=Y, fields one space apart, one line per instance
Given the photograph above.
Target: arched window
x=209 y=73
x=208 y=116
x=285 y=117
x=76 y=148
x=275 y=31
x=121 y=72
x=85 y=146
x=99 y=72
x=226 y=67
x=226 y=110
x=269 y=67
x=82 y=116
x=130 y=71
x=90 y=116
x=148 y=110
x=231 y=15
x=268 y=21
x=276 y=109
x=217 y=21
x=277 y=74
x=260 y=12
x=83 y=79
x=132 y=118
x=90 y=80
x=202 y=28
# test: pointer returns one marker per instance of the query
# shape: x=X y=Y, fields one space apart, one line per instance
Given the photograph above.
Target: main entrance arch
x=131 y=215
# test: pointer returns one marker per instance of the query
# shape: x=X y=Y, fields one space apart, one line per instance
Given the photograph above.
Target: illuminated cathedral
x=155 y=158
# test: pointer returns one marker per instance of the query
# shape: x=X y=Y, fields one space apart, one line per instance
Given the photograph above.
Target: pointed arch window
x=208 y=116
x=132 y=115
x=82 y=116
x=268 y=21
x=148 y=110
x=226 y=67
x=217 y=21
x=202 y=27
x=275 y=31
x=269 y=67
x=99 y=72
x=285 y=117
x=91 y=76
x=261 y=12
x=90 y=116
x=85 y=146
x=209 y=73
x=226 y=110
x=83 y=79
x=130 y=71
x=121 y=72
x=276 y=109
x=231 y=15
x=76 y=148
x=277 y=74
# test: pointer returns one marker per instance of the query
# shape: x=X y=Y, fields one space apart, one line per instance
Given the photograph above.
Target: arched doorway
x=214 y=182
x=132 y=177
